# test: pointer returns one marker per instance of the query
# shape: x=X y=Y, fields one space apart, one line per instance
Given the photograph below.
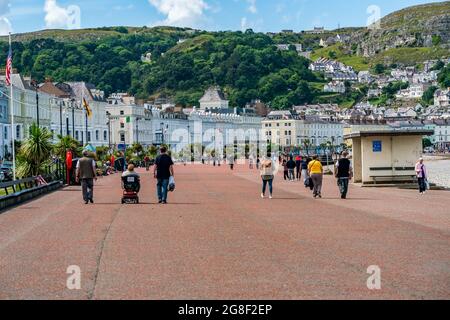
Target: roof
x=213 y=94
x=49 y=88
x=390 y=132
x=18 y=81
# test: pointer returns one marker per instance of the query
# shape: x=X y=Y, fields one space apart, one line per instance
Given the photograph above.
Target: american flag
x=8 y=67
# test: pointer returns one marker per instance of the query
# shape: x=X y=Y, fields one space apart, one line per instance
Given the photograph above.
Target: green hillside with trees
x=247 y=65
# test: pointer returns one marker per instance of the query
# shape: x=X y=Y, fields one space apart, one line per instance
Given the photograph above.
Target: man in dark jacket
x=86 y=174
x=163 y=171
x=344 y=172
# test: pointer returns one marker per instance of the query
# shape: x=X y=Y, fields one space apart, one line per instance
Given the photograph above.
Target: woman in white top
x=267 y=175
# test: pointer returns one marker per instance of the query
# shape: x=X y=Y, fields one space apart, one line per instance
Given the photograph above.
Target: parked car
x=6 y=173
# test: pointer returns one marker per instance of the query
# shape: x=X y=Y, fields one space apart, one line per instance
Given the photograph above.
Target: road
x=217 y=239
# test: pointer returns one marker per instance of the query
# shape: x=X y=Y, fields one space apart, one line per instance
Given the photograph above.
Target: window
x=121 y=112
x=77 y=135
x=18 y=132
x=5 y=133
x=88 y=136
x=105 y=135
x=122 y=137
x=97 y=135
x=122 y=125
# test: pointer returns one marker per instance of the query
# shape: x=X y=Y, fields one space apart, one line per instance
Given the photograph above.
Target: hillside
x=419 y=26
x=247 y=65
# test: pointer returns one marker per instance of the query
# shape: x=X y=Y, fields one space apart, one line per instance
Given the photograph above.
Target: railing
x=56 y=172
x=19 y=185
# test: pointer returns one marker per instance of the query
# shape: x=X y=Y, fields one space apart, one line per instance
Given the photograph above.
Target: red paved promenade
x=217 y=239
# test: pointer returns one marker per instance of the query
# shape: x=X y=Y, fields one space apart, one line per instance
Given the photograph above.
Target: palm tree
x=35 y=152
x=67 y=143
x=153 y=151
x=307 y=144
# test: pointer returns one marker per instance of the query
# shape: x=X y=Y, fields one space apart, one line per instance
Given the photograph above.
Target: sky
x=18 y=16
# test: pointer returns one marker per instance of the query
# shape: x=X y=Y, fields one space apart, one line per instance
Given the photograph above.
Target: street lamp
x=108 y=115
x=36 y=87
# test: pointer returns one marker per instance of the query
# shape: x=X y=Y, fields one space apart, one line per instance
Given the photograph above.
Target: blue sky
x=260 y=15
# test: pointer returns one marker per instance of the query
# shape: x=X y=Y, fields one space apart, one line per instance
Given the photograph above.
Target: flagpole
x=84 y=111
x=12 y=118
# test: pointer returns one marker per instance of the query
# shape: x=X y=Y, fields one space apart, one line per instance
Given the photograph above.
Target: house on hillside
x=335 y=87
x=364 y=77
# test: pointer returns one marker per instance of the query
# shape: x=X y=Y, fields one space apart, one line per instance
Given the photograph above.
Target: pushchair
x=131 y=186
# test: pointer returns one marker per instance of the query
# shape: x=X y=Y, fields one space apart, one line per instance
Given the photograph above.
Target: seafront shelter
x=386 y=156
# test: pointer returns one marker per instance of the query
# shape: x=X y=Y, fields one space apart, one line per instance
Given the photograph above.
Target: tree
x=436 y=39
x=67 y=143
x=428 y=95
x=35 y=152
x=444 y=77
x=438 y=66
x=379 y=68
x=332 y=55
x=427 y=143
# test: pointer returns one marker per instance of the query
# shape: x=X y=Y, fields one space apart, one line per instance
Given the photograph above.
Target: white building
x=414 y=91
x=364 y=77
x=442 y=98
x=129 y=124
x=287 y=129
x=335 y=87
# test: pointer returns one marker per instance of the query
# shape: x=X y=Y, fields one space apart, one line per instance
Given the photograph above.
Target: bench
x=24 y=190
x=394 y=176
x=21 y=184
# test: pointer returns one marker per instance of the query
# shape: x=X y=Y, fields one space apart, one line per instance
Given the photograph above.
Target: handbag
x=171 y=184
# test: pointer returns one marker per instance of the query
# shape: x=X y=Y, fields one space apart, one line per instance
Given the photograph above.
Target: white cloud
x=59 y=17
x=252 y=6
x=181 y=13
x=5 y=26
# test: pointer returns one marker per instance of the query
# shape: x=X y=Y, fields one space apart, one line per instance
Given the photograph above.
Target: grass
x=3 y=193
x=404 y=56
x=410 y=56
x=357 y=62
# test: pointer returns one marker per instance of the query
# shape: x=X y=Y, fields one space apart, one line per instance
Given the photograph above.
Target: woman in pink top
x=422 y=176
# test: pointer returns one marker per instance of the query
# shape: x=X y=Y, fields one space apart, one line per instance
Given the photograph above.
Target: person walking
x=285 y=169
x=162 y=172
x=267 y=176
x=344 y=172
x=86 y=174
x=291 y=168
x=298 y=167
x=304 y=167
x=422 y=176
x=315 y=171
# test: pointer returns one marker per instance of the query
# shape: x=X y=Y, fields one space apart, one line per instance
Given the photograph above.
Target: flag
x=8 y=67
x=125 y=120
x=87 y=108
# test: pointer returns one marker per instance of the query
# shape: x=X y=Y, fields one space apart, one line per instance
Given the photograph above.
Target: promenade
x=217 y=239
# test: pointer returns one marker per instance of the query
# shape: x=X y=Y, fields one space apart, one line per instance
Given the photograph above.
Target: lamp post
x=73 y=116
x=108 y=115
x=137 y=129
x=189 y=142
x=60 y=118
x=36 y=87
